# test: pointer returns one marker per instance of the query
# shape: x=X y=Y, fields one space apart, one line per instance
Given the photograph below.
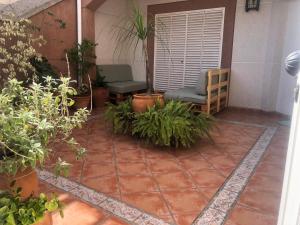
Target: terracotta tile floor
x=88 y=215
x=175 y=185
x=261 y=197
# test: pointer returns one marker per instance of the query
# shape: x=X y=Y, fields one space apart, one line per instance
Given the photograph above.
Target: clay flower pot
x=82 y=101
x=27 y=180
x=100 y=96
x=141 y=102
x=47 y=220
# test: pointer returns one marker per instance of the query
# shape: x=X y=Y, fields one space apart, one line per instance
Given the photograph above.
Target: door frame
x=289 y=213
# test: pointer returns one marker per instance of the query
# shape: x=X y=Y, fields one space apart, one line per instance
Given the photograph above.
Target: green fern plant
x=121 y=116
x=174 y=125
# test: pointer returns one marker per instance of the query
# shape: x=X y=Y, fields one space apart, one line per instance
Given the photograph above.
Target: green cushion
x=187 y=94
x=201 y=86
x=116 y=72
x=126 y=86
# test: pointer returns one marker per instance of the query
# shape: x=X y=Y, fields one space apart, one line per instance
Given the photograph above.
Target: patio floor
x=211 y=183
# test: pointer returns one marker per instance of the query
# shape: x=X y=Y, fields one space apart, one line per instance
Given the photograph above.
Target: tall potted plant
x=136 y=32
x=100 y=91
x=82 y=58
x=31 y=119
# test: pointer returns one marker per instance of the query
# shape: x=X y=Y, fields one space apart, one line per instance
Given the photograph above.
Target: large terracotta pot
x=141 y=102
x=100 y=96
x=27 y=180
x=82 y=101
x=47 y=220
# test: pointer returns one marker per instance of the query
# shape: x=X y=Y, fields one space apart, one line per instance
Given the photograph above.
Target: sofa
x=210 y=94
x=119 y=79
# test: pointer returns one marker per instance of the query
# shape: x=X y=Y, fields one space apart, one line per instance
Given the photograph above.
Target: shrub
x=175 y=124
x=82 y=58
x=17 y=41
x=43 y=69
x=33 y=117
x=15 y=211
x=121 y=116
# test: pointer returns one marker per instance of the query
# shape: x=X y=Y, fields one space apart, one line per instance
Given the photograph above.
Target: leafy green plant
x=82 y=57
x=20 y=40
x=175 y=124
x=121 y=116
x=43 y=69
x=15 y=211
x=18 y=44
x=100 y=80
x=136 y=31
x=33 y=117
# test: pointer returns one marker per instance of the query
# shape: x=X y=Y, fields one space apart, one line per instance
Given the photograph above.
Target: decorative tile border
x=215 y=212
x=116 y=207
x=219 y=207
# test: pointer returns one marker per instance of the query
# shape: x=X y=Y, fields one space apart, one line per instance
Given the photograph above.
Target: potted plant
x=33 y=117
x=100 y=91
x=82 y=58
x=34 y=210
x=135 y=32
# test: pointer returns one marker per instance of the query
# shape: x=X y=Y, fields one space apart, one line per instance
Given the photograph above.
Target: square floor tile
x=185 y=201
x=173 y=181
x=98 y=169
x=150 y=202
x=128 y=168
x=132 y=184
x=208 y=178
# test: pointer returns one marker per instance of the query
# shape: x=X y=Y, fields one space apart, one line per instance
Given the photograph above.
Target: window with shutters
x=185 y=43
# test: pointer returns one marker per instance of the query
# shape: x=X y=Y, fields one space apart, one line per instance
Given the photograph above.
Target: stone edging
x=219 y=207
x=116 y=207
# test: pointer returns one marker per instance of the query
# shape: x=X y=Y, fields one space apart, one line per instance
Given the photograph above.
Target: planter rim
x=82 y=96
x=147 y=96
x=20 y=174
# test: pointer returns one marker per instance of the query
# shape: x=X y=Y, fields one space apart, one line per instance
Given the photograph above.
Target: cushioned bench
x=120 y=80
x=210 y=94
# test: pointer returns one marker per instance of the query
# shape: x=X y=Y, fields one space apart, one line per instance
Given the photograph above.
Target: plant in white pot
x=135 y=32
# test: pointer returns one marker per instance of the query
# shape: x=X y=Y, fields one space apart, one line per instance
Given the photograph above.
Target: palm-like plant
x=134 y=32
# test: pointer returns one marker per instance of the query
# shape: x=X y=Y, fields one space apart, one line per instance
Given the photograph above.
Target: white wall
x=257 y=51
x=291 y=43
x=107 y=18
x=261 y=42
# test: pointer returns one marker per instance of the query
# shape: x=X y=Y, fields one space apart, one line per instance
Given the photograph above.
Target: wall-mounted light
x=252 y=5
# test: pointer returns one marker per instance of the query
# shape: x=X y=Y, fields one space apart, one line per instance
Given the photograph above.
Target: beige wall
x=107 y=20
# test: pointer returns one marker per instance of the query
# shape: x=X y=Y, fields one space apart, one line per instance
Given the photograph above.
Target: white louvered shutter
x=212 y=38
x=177 y=51
x=185 y=43
x=162 y=54
x=194 y=46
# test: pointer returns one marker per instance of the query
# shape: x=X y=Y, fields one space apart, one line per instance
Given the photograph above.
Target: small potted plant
x=32 y=118
x=100 y=91
x=34 y=210
x=82 y=58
